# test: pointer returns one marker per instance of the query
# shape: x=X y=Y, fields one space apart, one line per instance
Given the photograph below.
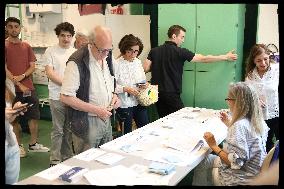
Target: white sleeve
x=47 y=58
x=71 y=79
x=141 y=71
x=119 y=88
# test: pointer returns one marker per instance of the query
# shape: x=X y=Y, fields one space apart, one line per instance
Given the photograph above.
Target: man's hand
x=115 y=102
x=103 y=113
x=231 y=56
x=18 y=78
x=23 y=88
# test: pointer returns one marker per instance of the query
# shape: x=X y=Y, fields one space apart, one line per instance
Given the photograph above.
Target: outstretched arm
x=230 y=56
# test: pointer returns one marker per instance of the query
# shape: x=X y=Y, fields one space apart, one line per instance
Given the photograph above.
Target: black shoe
x=51 y=165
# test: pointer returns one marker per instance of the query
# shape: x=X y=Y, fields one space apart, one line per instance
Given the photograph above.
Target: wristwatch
x=24 y=75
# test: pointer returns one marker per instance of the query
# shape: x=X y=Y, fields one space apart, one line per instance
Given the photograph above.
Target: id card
x=27 y=93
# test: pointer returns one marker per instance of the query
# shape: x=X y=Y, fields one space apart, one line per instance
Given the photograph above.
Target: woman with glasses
x=263 y=73
x=130 y=76
x=243 y=150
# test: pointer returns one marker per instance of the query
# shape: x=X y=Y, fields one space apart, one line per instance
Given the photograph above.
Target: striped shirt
x=246 y=152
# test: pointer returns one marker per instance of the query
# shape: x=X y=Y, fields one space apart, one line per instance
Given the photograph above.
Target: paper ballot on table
x=109 y=158
x=119 y=175
x=53 y=173
x=90 y=154
x=184 y=144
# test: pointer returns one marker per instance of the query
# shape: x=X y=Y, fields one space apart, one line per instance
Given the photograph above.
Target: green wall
x=136 y=9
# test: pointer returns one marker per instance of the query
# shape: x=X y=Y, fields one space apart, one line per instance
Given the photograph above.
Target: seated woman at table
x=244 y=147
x=129 y=72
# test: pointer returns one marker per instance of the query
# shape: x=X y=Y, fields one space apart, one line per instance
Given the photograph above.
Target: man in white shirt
x=87 y=89
x=55 y=58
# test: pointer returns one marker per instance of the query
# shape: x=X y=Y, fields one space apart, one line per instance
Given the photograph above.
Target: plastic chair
x=270 y=157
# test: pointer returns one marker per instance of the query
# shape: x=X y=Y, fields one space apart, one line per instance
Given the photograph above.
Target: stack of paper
x=161 y=168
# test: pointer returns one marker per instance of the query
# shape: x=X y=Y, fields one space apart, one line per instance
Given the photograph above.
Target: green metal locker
x=211 y=29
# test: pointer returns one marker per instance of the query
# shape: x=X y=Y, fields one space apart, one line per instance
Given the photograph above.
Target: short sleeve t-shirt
x=167 y=66
x=18 y=57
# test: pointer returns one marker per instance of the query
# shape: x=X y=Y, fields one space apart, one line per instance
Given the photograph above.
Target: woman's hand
x=18 y=109
x=210 y=139
x=144 y=86
x=225 y=118
x=131 y=91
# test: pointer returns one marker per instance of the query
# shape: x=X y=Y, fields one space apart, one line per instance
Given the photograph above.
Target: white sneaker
x=38 y=148
x=22 y=151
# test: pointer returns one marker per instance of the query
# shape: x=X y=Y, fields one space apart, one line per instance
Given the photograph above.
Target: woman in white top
x=243 y=150
x=263 y=73
x=129 y=73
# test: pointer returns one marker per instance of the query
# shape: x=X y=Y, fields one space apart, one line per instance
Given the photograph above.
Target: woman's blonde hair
x=246 y=105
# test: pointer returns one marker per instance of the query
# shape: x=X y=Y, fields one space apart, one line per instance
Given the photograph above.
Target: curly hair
x=12 y=19
x=175 y=29
x=129 y=41
x=256 y=50
x=246 y=105
x=64 y=26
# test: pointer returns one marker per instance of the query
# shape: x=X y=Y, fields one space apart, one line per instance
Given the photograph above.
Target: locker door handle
x=202 y=71
x=188 y=70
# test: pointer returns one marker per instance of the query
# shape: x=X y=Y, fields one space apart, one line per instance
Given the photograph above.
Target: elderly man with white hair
x=88 y=90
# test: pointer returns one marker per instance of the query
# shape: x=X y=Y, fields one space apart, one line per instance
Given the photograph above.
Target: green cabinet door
x=217 y=33
x=177 y=14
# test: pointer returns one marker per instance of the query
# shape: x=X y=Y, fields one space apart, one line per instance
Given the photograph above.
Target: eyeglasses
x=226 y=99
x=132 y=51
x=102 y=50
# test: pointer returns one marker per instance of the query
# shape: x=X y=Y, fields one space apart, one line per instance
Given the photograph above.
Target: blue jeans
x=138 y=113
x=12 y=163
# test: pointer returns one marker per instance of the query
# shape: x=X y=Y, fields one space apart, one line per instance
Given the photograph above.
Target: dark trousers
x=168 y=103
x=273 y=124
x=138 y=113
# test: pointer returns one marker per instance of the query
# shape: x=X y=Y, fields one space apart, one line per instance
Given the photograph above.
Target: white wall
x=39 y=31
x=71 y=14
x=268 y=31
x=119 y=24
